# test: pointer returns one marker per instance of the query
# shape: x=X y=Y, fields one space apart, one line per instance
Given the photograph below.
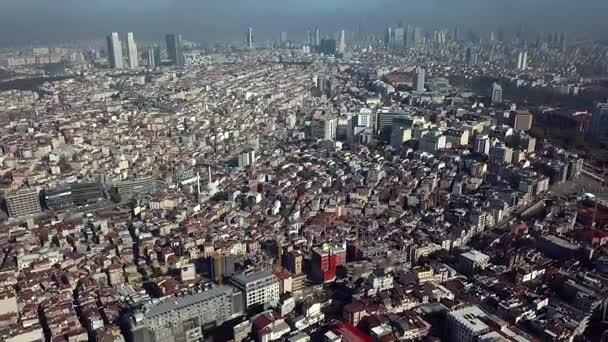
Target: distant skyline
x=24 y=21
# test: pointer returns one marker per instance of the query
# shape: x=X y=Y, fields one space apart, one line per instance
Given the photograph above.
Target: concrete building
x=496 y=93
x=325 y=261
x=324 y=128
x=257 y=288
x=521 y=120
x=466 y=324
x=23 y=203
x=420 y=79
x=471 y=261
x=184 y=318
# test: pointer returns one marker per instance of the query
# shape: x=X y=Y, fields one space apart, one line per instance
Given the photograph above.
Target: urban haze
x=303 y=171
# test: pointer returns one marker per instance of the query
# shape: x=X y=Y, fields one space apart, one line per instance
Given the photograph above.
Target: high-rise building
x=295 y=262
x=599 y=121
x=328 y=46
x=483 y=145
x=496 y=93
x=184 y=318
x=247 y=157
x=23 y=203
x=175 y=50
x=257 y=288
x=250 y=38
x=399 y=37
x=388 y=38
x=220 y=266
x=308 y=39
x=522 y=60
x=115 y=59
x=521 y=120
x=317 y=37
x=283 y=38
x=420 y=79
x=471 y=56
x=150 y=58
x=132 y=55
x=324 y=128
x=342 y=43
x=325 y=261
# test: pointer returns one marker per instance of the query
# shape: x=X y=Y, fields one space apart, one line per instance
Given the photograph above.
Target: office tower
x=420 y=79
x=522 y=60
x=599 y=121
x=328 y=46
x=115 y=51
x=399 y=39
x=132 y=55
x=175 y=49
x=455 y=34
x=186 y=317
x=384 y=121
x=317 y=37
x=563 y=41
x=257 y=288
x=150 y=57
x=23 y=203
x=157 y=55
x=308 y=37
x=325 y=262
x=496 y=93
x=471 y=56
x=388 y=35
x=250 y=38
x=342 y=43
x=283 y=38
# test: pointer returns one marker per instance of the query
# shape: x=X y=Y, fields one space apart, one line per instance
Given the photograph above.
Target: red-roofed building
x=325 y=261
x=347 y=332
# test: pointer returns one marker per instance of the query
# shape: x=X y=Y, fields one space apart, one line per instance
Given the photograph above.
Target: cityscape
x=413 y=183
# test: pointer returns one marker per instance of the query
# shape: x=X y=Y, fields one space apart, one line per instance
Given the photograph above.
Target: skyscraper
x=599 y=121
x=328 y=46
x=388 y=35
x=342 y=43
x=150 y=58
x=399 y=37
x=420 y=79
x=283 y=38
x=522 y=60
x=174 y=49
x=115 y=51
x=317 y=37
x=132 y=55
x=496 y=93
x=308 y=37
x=250 y=38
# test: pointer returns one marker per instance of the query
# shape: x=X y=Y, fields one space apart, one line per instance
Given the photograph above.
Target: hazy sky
x=24 y=21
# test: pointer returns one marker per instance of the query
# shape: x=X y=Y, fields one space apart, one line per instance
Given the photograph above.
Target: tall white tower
x=250 y=38
x=115 y=51
x=342 y=43
x=132 y=55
